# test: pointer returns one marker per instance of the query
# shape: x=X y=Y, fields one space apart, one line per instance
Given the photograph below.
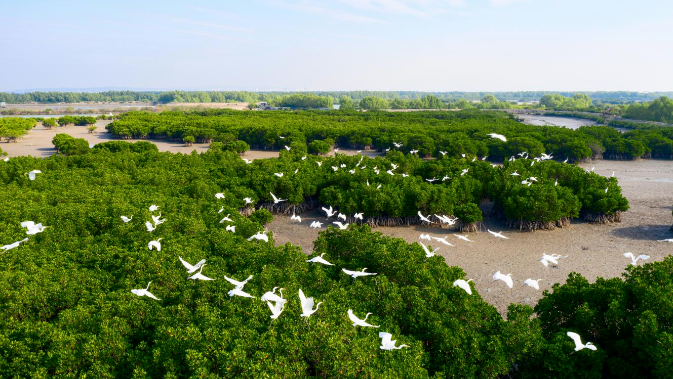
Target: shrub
x=261 y=216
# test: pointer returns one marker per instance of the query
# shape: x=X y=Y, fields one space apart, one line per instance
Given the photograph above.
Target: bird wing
x=27 y=224
x=352 y=316
x=188 y=266
x=578 y=341
x=348 y=272
x=234 y=282
x=385 y=338
x=149 y=294
x=629 y=255
x=302 y=298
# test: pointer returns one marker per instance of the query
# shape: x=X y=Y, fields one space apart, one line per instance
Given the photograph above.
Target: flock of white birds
x=277 y=303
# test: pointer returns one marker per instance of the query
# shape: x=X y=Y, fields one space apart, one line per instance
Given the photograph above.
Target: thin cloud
x=315 y=7
x=204 y=24
x=214 y=11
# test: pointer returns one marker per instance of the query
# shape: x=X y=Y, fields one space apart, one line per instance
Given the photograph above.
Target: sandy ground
x=593 y=250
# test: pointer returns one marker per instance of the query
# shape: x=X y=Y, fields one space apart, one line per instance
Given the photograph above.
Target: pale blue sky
x=424 y=45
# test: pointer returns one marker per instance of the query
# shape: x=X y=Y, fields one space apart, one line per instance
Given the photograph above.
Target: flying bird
x=247 y=200
x=425 y=237
x=316 y=224
x=126 y=219
x=149 y=226
x=295 y=218
x=634 y=260
x=155 y=244
x=341 y=225
x=532 y=283
x=307 y=305
x=464 y=285
x=515 y=174
x=236 y=283
x=553 y=259
x=341 y=216
x=498 y=136
x=397 y=144
x=387 y=343
x=31 y=174
x=355 y=274
x=578 y=342
x=320 y=259
x=199 y=275
x=239 y=292
x=358 y=216
x=13 y=245
x=428 y=253
x=505 y=278
x=465 y=170
x=259 y=236
x=145 y=292
x=442 y=240
x=275 y=199
x=226 y=218
x=287 y=147
x=278 y=174
x=271 y=296
x=158 y=220
x=230 y=228
x=189 y=267
x=499 y=234
x=219 y=195
x=32 y=227
x=247 y=161
x=424 y=219
x=330 y=212
x=153 y=208
x=360 y=322
x=464 y=238
x=276 y=309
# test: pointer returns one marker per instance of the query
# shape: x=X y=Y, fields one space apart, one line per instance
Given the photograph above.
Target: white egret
x=443 y=152
x=189 y=267
x=13 y=245
x=413 y=151
x=394 y=166
x=390 y=172
x=424 y=219
x=425 y=237
x=428 y=253
x=330 y=212
x=666 y=240
x=505 y=278
x=158 y=220
x=31 y=174
x=553 y=259
x=126 y=219
x=387 y=342
x=219 y=195
x=465 y=170
x=340 y=225
x=278 y=174
x=294 y=217
x=360 y=322
x=33 y=228
x=352 y=171
x=226 y=218
x=341 y=216
x=526 y=182
x=515 y=174
x=247 y=161
x=153 y=208
x=446 y=219
x=498 y=136
x=319 y=163
x=303 y=158
x=431 y=180
x=316 y=224
x=335 y=168
x=221 y=210
x=247 y=200
x=462 y=155
x=230 y=228
x=275 y=199
x=155 y=244
x=445 y=178
x=442 y=240
x=271 y=296
x=296 y=171
x=464 y=285
x=259 y=236
x=578 y=342
x=355 y=274
x=149 y=226
x=276 y=309
x=378 y=187
x=145 y=292
x=566 y=160
x=358 y=216
x=499 y=234
x=342 y=165
x=634 y=259
x=239 y=292
x=307 y=305
x=556 y=183
x=287 y=147
x=397 y=144
x=320 y=259
x=236 y=283
x=464 y=238
x=404 y=175
x=532 y=283
x=199 y=275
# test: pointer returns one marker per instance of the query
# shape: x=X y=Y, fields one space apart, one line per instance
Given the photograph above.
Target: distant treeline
x=274 y=96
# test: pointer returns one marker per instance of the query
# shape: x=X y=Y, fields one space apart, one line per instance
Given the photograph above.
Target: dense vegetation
x=254 y=97
x=660 y=110
x=456 y=133
x=67 y=309
x=12 y=128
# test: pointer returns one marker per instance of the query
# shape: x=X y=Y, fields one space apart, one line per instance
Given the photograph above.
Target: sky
x=330 y=45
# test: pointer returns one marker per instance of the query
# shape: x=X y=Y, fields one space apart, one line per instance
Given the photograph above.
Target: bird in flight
x=295 y=218
x=153 y=208
x=230 y=228
x=634 y=259
x=320 y=259
x=31 y=174
x=341 y=225
x=578 y=342
x=499 y=234
x=532 y=283
x=145 y=292
x=307 y=305
x=464 y=285
x=442 y=240
x=199 y=275
x=505 y=278
x=155 y=244
x=360 y=322
x=498 y=136
x=428 y=253
x=330 y=212
x=278 y=174
x=464 y=238
x=424 y=219
x=316 y=224
x=387 y=343
x=259 y=236
x=126 y=219
x=32 y=227
x=219 y=195
x=13 y=245
x=355 y=274
x=189 y=267
x=275 y=199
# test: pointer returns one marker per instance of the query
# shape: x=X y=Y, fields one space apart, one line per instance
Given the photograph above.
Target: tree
x=188 y=140
x=346 y=103
x=373 y=103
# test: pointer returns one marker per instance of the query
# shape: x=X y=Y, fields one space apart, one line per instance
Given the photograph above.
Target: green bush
x=261 y=216
x=319 y=147
x=468 y=213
